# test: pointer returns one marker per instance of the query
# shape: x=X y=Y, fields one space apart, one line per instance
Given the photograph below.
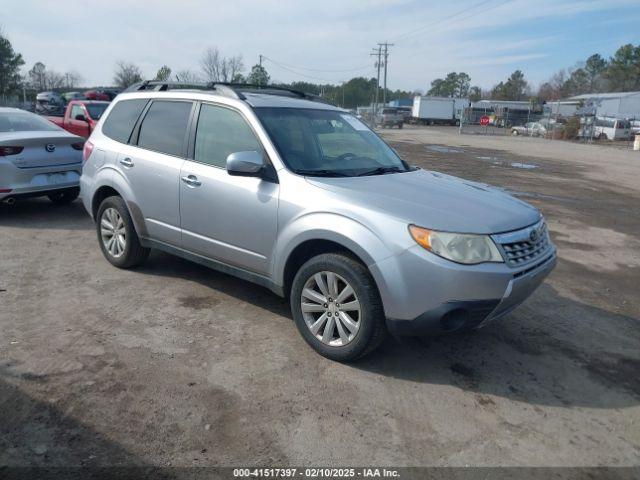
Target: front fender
x=327 y=226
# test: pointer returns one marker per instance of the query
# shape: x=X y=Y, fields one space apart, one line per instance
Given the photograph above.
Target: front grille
x=527 y=246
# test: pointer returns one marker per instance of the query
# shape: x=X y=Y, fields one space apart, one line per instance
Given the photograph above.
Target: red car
x=81 y=116
x=96 y=95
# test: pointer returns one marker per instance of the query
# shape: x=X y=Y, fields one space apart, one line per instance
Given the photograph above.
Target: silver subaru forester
x=281 y=189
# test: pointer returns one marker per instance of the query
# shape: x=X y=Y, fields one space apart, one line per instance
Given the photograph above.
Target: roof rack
x=232 y=90
x=163 y=86
x=272 y=90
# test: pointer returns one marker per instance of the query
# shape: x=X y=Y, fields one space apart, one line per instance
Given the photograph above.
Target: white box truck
x=438 y=110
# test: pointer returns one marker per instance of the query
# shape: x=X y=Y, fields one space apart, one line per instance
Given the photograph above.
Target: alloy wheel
x=331 y=309
x=113 y=233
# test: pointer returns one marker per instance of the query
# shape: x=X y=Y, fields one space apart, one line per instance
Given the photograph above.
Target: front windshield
x=96 y=109
x=328 y=143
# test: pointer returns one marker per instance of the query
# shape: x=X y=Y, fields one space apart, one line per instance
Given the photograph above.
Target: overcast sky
x=328 y=40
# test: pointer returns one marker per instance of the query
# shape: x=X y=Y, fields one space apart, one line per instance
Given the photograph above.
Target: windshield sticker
x=354 y=122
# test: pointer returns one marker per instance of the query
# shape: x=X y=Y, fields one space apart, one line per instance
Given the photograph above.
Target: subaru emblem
x=533 y=235
x=50 y=147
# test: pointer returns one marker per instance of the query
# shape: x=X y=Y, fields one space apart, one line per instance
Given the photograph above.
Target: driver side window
x=221 y=132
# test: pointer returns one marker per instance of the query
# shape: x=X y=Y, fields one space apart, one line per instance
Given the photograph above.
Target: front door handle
x=127 y=162
x=192 y=181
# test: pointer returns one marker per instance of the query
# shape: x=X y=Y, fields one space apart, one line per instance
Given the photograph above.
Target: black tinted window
x=164 y=127
x=221 y=132
x=120 y=122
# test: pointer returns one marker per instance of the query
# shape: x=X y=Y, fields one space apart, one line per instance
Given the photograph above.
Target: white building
x=619 y=105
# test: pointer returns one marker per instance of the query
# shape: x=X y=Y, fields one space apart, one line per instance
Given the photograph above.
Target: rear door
x=227 y=218
x=151 y=164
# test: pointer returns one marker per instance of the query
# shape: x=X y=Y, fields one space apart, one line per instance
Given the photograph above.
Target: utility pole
x=260 y=59
x=377 y=53
x=386 y=46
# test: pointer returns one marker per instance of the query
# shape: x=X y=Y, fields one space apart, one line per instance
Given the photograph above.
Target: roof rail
x=163 y=86
x=271 y=90
x=232 y=90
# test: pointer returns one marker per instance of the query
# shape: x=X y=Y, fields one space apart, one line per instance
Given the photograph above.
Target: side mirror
x=246 y=164
x=80 y=117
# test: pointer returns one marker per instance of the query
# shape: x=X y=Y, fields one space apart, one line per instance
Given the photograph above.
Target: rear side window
x=221 y=132
x=122 y=118
x=164 y=127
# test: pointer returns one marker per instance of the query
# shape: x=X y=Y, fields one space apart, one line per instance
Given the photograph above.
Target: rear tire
x=117 y=236
x=361 y=331
x=514 y=133
x=64 y=197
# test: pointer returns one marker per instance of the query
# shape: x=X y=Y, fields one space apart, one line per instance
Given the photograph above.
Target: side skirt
x=215 y=265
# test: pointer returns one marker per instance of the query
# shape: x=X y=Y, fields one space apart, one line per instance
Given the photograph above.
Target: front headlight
x=458 y=247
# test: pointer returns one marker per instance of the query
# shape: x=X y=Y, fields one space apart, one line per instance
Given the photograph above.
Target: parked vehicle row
x=37 y=158
x=303 y=198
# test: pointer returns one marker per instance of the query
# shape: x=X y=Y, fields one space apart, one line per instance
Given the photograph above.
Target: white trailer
x=430 y=110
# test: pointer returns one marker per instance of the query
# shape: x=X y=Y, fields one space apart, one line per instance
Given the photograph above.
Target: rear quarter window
x=123 y=116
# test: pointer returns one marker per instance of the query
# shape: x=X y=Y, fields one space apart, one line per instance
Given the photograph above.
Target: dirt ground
x=174 y=364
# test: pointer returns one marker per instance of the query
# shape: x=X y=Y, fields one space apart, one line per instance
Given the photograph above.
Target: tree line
x=620 y=72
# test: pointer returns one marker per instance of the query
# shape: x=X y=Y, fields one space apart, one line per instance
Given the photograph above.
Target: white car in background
x=37 y=158
x=532 y=129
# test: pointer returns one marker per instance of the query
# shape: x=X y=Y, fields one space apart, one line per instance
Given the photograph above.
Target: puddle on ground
x=497 y=161
x=441 y=149
x=526 y=166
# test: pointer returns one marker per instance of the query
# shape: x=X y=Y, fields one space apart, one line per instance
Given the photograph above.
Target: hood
x=435 y=200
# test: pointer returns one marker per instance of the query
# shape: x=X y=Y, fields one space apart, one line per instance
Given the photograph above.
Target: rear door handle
x=192 y=181
x=127 y=162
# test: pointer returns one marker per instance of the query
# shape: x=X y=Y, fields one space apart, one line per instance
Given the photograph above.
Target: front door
x=223 y=217
x=78 y=127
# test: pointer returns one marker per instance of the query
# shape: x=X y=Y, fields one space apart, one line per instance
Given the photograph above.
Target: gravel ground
x=174 y=364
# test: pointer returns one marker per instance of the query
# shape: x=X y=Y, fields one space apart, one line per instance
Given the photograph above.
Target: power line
x=296 y=73
x=444 y=19
x=355 y=69
x=493 y=7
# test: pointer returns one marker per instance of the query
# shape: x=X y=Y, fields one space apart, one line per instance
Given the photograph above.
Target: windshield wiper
x=322 y=173
x=381 y=171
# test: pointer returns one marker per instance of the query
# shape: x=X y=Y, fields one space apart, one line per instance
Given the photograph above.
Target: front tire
x=64 y=197
x=337 y=307
x=117 y=236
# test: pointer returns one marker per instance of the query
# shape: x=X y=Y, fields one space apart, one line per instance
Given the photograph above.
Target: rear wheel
x=337 y=307
x=117 y=236
x=514 y=133
x=64 y=197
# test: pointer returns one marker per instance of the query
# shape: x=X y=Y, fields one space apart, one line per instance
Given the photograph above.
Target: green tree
x=515 y=88
x=594 y=68
x=475 y=94
x=163 y=74
x=453 y=85
x=258 y=75
x=10 y=63
x=577 y=83
x=623 y=72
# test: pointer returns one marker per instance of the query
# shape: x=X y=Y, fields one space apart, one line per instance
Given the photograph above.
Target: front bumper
x=424 y=294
